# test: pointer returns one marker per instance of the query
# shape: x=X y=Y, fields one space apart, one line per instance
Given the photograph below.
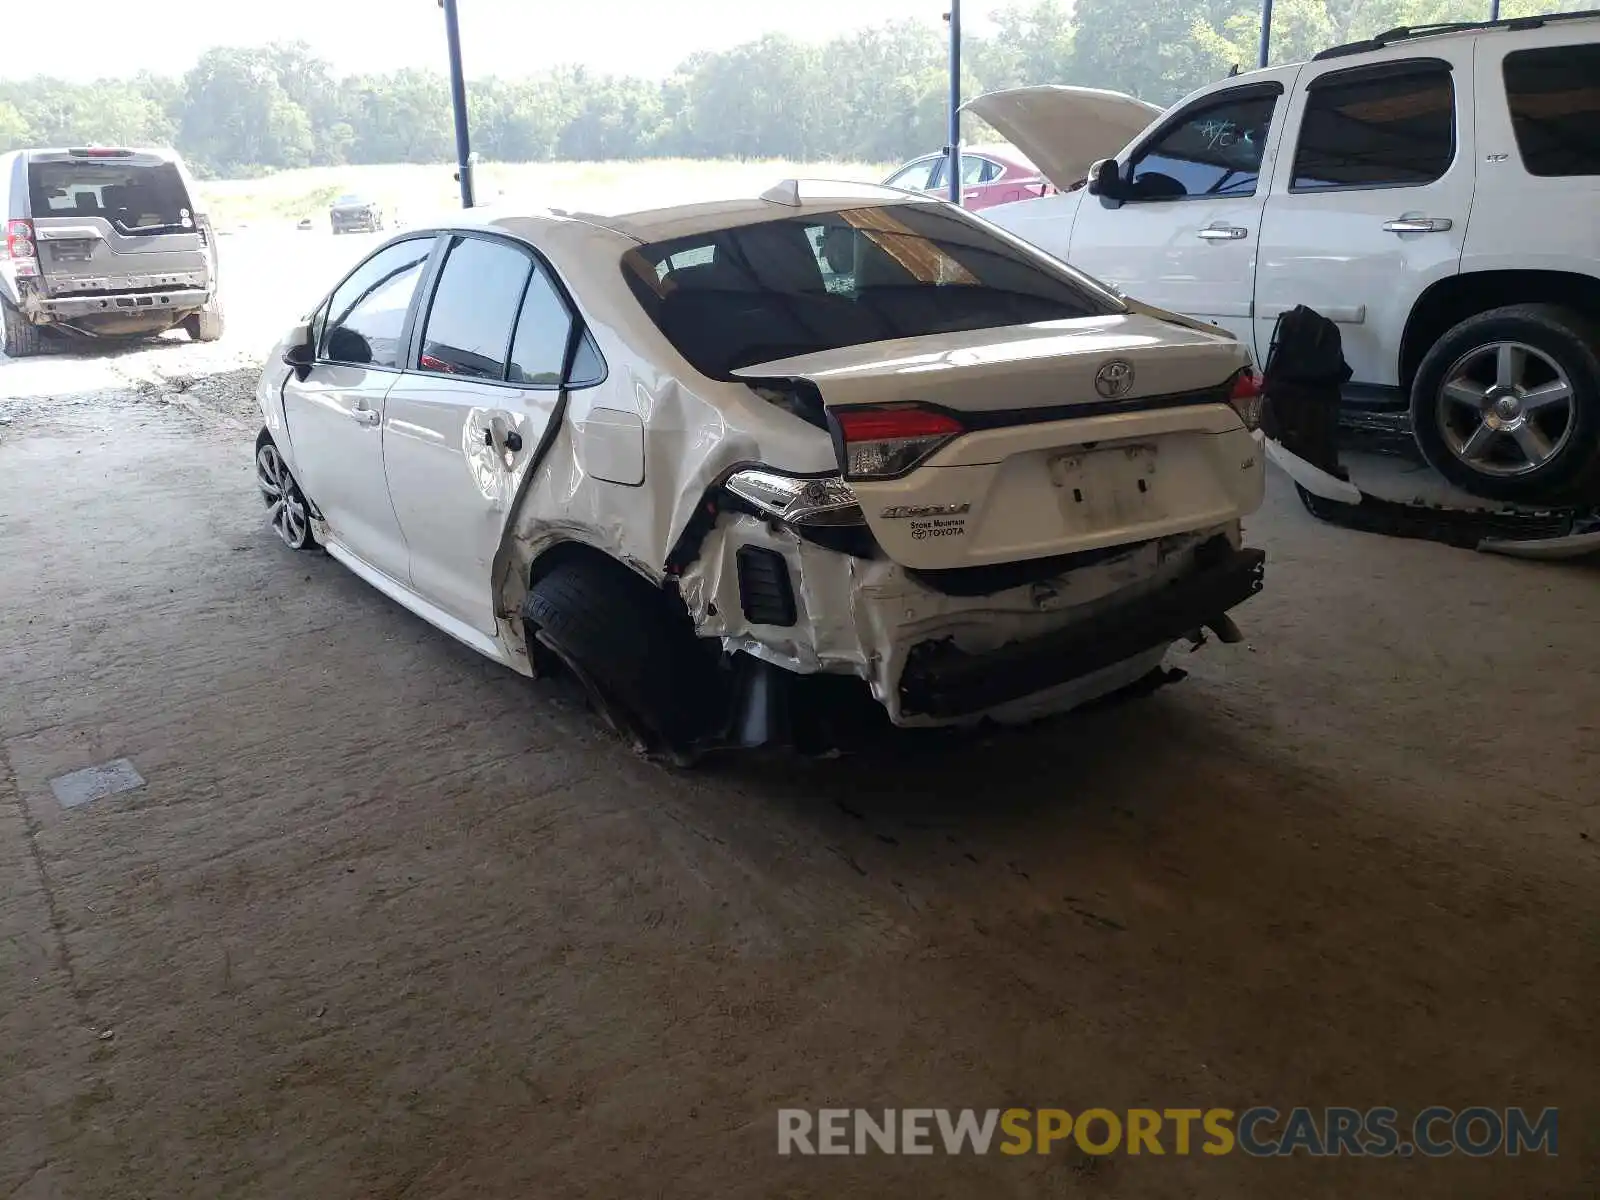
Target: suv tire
x=1469 y=409
x=22 y=338
x=632 y=648
x=205 y=325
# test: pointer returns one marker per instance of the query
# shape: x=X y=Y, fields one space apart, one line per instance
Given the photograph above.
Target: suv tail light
x=19 y=240
x=884 y=443
x=1245 y=396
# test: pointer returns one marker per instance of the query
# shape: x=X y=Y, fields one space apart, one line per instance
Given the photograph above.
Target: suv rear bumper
x=942 y=681
x=128 y=304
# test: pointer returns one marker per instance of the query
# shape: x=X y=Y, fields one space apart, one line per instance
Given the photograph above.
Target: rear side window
x=474 y=307
x=1554 y=94
x=543 y=331
x=1211 y=151
x=367 y=312
x=1396 y=129
x=135 y=198
x=801 y=284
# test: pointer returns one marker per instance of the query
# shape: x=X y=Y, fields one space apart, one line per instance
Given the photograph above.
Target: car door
x=1371 y=197
x=335 y=414
x=1184 y=235
x=463 y=427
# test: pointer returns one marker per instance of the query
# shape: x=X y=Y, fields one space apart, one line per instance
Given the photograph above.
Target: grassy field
x=413 y=192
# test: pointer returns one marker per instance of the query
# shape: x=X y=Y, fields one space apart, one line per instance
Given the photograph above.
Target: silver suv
x=103 y=243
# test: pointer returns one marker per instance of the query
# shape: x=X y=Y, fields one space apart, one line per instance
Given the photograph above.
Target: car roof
x=788 y=199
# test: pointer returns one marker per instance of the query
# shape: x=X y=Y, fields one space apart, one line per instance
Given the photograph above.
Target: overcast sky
x=499 y=37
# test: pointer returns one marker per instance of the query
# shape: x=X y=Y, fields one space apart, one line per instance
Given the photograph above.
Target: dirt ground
x=389 y=921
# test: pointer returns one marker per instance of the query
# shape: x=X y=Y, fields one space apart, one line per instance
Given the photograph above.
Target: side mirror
x=1105 y=181
x=300 y=353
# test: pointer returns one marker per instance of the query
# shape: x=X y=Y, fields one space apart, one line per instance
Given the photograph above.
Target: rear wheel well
x=1451 y=301
x=568 y=551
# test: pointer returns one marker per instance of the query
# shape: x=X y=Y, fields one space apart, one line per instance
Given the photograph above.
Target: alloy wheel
x=1506 y=408
x=286 y=507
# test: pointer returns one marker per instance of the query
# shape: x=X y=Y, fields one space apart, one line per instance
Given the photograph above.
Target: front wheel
x=287 y=510
x=1506 y=405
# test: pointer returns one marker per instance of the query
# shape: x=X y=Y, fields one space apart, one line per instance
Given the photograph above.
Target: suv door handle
x=365 y=416
x=1222 y=233
x=1417 y=225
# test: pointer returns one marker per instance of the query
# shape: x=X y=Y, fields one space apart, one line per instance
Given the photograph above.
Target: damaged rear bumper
x=941 y=680
x=938 y=652
x=165 y=304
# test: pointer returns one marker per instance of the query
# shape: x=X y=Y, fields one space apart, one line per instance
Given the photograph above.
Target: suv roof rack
x=1406 y=32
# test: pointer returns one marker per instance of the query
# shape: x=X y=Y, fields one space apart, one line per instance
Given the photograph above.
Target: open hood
x=1064 y=130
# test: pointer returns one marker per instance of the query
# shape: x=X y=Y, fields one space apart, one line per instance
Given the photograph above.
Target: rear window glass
x=134 y=197
x=735 y=297
x=1554 y=95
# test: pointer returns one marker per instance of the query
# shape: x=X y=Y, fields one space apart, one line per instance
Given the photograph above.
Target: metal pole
x=458 y=98
x=1494 y=10
x=1266 y=32
x=954 y=18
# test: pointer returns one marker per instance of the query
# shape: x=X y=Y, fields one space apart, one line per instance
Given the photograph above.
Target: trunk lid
x=1065 y=130
x=115 y=221
x=1069 y=436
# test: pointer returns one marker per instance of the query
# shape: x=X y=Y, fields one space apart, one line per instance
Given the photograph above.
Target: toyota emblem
x=1114 y=379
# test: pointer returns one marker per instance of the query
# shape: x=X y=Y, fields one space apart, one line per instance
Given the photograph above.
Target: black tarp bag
x=1301 y=386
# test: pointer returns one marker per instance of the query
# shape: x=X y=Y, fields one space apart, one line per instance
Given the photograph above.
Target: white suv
x=1435 y=191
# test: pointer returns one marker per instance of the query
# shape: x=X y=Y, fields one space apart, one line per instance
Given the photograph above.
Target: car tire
x=22 y=338
x=634 y=651
x=205 y=325
x=288 y=511
x=1471 y=413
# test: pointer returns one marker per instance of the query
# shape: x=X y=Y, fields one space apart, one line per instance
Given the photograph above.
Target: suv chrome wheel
x=1506 y=408
x=286 y=507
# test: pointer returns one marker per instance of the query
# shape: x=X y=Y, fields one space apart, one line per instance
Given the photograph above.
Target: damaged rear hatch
x=110 y=221
x=987 y=404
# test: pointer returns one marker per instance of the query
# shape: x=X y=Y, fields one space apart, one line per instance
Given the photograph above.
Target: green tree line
x=875 y=95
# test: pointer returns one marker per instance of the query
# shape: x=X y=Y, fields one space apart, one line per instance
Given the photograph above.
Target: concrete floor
x=388 y=921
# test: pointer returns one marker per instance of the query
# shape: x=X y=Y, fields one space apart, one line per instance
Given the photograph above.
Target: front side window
x=823 y=281
x=1391 y=130
x=367 y=312
x=918 y=177
x=1215 y=150
x=1554 y=94
x=468 y=331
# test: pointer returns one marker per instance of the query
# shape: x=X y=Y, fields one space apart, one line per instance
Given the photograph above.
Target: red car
x=990 y=174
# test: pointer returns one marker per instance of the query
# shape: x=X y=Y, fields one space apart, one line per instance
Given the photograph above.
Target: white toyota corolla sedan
x=746 y=467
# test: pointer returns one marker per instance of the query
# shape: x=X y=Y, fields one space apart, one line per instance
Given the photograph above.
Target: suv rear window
x=735 y=297
x=1554 y=94
x=135 y=197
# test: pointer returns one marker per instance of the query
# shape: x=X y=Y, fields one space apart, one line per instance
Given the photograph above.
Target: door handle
x=365 y=416
x=1417 y=225
x=1222 y=233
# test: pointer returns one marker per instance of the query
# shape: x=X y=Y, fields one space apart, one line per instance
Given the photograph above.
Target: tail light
x=19 y=240
x=1245 y=396
x=884 y=443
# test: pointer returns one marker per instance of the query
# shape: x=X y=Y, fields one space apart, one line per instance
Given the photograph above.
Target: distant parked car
x=355 y=214
x=989 y=174
x=102 y=243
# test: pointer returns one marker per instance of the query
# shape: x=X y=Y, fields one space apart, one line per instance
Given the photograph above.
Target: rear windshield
x=134 y=197
x=735 y=297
